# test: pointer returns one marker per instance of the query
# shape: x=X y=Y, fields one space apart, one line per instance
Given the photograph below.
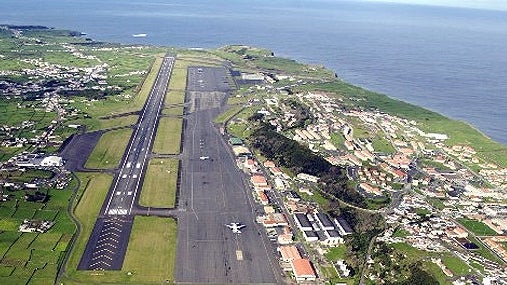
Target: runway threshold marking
x=239 y=255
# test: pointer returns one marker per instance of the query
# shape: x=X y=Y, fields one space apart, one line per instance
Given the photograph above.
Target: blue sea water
x=450 y=60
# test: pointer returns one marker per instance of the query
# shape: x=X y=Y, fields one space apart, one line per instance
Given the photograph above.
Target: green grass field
x=123 y=121
x=428 y=121
x=456 y=265
x=178 y=79
x=114 y=105
x=173 y=111
x=109 y=150
x=168 y=137
x=34 y=258
x=159 y=186
x=141 y=98
x=227 y=115
x=91 y=195
x=336 y=253
x=151 y=235
x=174 y=97
x=400 y=233
x=241 y=129
x=381 y=144
x=478 y=228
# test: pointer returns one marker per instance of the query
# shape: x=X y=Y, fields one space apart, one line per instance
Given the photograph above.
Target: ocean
x=449 y=60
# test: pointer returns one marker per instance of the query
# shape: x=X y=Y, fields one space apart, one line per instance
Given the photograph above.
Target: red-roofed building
x=289 y=253
x=286 y=236
x=258 y=180
x=276 y=171
x=250 y=164
x=303 y=270
x=399 y=174
x=262 y=197
x=269 y=164
x=271 y=220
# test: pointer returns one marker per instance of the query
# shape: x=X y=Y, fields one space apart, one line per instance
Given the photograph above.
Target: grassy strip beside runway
x=174 y=96
x=110 y=149
x=173 y=111
x=159 y=186
x=148 y=83
x=92 y=193
x=152 y=250
x=168 y=137
x=178 y=77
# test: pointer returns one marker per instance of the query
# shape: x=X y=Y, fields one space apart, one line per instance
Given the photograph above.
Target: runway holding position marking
x=108 y=242
x=213 y=194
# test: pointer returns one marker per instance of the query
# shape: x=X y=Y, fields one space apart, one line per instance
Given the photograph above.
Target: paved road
x=108 y=243
x=213 y=194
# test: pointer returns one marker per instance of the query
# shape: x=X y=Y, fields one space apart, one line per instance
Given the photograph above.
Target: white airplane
x=235 y=227
x=204 y=157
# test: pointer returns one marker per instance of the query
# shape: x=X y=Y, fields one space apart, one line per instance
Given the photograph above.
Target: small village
x=440 y=198
x=442 y=187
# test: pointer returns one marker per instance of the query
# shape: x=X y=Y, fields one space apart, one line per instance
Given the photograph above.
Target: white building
x=52 y=161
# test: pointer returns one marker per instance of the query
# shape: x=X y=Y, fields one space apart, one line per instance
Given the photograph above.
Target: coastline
x=324 y=126
x=382 y=101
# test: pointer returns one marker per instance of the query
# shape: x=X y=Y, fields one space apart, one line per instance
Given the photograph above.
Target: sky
x=479 y=4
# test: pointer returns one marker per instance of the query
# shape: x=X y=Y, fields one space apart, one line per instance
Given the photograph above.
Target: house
x=241 y=151
x=310 y=236
x=262 y=197
x=288 y=253
x=330 y=238
x=303 y=270
x=276 y=171
x=343 y=227
x=250 y=164
x=293 y=196
x=303 y=222
x=286 y=236
x=52 y=161
x=259 y=180
x=235 y=141
x=31 y=226
x=308 y=177
x=271 y=220
x=324 y=222
x=269 y=164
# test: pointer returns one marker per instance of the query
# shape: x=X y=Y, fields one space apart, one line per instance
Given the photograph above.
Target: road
x=213 y=194
x=108 y=242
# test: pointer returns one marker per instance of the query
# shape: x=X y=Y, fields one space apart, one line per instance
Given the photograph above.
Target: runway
x=108 y=242
x=213 y=193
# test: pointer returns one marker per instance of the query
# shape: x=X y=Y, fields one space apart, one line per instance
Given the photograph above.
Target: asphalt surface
x=213 y=193
x=77 y=151
x=108 y=242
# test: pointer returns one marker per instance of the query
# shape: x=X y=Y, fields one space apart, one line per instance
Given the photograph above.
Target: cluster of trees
x=288 y=153
x=333 y=181
x=301 y=112
x=396 y=269
x=298 y=158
